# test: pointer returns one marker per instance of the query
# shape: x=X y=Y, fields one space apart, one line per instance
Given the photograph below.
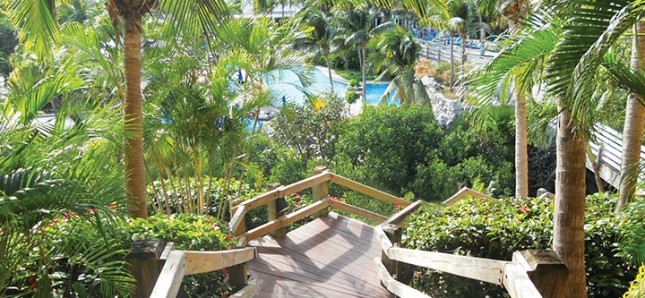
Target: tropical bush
x=351 y=96
x=402 y=149
x=495 y=229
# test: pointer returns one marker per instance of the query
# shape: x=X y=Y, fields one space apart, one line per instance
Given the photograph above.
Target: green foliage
x=189 y=232
x=354 y=82
x=311 y=130
x=385 y=145
x=637 y=286
x=180 y=195
x=495 y=229
x=9 y=42
x=351 y=96
x=632 y=228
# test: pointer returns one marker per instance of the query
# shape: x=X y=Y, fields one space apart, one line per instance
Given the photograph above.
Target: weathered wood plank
x=400 y=216
x=171 y=276
x=207 y=261
x=382 y=238
x=304 y=184
x=395 y=287
x=476 y=268
x=238 y=218
x=545 y=269
x=368 y=191
x=462 y=193
x=358 y=211
x=261 y=199
x=517 y=282
x=250 y=290
x=283 y=221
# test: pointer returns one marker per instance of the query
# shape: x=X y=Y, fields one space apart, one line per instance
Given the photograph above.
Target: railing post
x=393 y=267
x=144 y=262
x=238 y=276
x=274 y=209
x=241 y=228
x=320 y=191
x=439 y=55
x=546 y=270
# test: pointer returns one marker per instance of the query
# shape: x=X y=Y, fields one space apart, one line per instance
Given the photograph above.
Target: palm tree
x=397 y=52
x=320 y=38
x=357 y=29
x=38 y=23
x=457 y=25
x=584 y=56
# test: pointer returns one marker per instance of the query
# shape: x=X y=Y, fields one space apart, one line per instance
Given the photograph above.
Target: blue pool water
x=287 y=84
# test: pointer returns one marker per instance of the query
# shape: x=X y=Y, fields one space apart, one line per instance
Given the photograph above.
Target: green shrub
x=189 y=232
x=351 y=96
x=637 y=286
x=354 y=82
x=495 y=229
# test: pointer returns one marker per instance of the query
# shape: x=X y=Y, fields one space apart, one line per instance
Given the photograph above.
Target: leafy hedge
x=72 y=277
x=495 y=229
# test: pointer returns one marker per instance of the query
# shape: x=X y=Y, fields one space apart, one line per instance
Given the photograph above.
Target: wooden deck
x=332 y=256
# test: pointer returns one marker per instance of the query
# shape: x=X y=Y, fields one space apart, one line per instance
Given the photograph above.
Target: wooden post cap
x=147 y=249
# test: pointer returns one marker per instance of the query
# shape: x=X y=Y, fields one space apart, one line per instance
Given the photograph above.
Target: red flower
x=229 y=237
x=524 y=210
x=33 y=282
x=334 y=198
x=397 y=207
x=225 y=272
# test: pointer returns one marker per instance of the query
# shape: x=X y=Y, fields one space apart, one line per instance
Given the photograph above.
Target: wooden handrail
x=181 y=263
x=481 y=269
x=282 y=222
x=462 y=193
x=397 y=288
x=400 y=216
x=318 y=183
x=368 y=191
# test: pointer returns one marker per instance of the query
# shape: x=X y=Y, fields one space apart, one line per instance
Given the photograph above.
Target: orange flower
x=524 y=210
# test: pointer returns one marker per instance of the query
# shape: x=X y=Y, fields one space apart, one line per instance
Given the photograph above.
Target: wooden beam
x=395 y=287
x=144 y=261
x=356 y=210
x=368 y=191
x=207 y=261
x=475 y=268
x=321 y=190
x=545 y=269
x=400 y=216
x=304 y=184
x=517 y=282
x=382 y=238
x=238 y=219
x=462 y=193
x=261 y=199
x=284 y=221
x=250 y=290
x=171 y=276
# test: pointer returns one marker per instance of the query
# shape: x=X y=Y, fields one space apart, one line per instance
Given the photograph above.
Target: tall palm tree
x=397 y=52
x=584 y=56
x=358 y=27
x=320 y=38
x=40 y=29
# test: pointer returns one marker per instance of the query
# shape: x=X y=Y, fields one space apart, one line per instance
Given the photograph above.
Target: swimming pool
x=286 y=84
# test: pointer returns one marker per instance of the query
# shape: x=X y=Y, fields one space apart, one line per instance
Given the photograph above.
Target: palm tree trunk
x=363 y=72
x=331 y=80
x=633 y=130
x=452 y=62
x=569 y=214
x=596 y=167
x=134 y=158
x=521 y=151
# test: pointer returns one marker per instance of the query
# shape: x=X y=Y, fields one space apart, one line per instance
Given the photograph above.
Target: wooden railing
x=319 y=183
x=160 y=269
x=531 y=273
x=464 y=193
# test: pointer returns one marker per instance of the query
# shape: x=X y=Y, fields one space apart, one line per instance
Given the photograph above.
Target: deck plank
x=331 y=256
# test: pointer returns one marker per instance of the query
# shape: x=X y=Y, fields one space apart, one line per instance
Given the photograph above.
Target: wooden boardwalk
x=332 y=256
